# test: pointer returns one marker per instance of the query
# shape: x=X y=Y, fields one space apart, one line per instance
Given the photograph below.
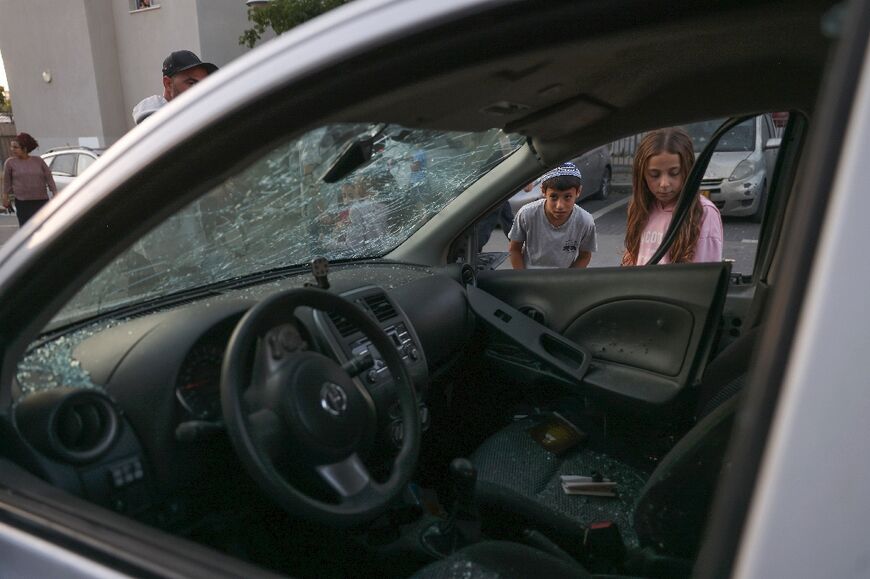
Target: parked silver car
x=66 y=163
x=738 y=175
x=597 y=170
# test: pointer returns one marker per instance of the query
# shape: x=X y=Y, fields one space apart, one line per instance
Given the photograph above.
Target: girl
x=26 y=177
x=661 y=166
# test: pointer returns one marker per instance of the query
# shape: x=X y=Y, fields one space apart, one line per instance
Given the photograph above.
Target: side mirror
x=773 y=143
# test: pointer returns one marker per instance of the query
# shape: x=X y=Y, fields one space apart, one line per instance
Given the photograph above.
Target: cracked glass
x=342 y=191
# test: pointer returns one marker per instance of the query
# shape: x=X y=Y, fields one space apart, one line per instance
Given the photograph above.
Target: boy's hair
x=562 y=178
x=561 y=183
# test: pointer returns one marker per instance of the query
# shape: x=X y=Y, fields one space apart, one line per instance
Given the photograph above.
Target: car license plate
x=705 y=193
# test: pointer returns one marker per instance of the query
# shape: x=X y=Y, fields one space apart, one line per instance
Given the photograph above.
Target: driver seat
x=519 y=484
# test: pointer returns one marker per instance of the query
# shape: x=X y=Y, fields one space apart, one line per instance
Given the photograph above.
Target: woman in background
x=27 y=178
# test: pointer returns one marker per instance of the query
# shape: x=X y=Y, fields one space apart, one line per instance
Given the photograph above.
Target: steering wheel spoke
x=269 y=433
x=268 y=372
x=267 y=363
x=350 y=478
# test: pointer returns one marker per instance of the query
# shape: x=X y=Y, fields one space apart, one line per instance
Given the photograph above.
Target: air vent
x=84 y=427
x=80 y=426
x=71 y=424
x=381 y=307
x=344 y=327
x=468 y=276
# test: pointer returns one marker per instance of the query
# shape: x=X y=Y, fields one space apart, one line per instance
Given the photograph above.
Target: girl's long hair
x=676 y=142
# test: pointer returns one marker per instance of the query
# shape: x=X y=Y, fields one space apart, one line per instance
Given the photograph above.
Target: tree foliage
x=4 y=101
x=282 y=15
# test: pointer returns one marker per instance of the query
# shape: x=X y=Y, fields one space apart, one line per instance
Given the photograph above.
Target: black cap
x=183 y=60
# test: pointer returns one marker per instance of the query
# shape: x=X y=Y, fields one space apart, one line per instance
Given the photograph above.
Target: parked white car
x=67 y=163
x=738 y=175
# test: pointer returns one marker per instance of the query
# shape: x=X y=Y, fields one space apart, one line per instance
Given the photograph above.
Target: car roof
x=71 y=149
x=589 y=80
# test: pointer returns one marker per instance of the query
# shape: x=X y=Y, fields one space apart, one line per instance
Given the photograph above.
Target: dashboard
x=162 y=372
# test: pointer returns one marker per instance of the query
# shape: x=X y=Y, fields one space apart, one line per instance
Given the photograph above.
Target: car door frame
x=744 y=534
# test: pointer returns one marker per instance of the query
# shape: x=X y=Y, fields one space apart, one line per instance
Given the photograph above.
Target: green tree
x=4 y=100
x=282 y=15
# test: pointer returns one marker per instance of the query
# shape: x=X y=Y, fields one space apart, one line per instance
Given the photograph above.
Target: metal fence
x=622 y=150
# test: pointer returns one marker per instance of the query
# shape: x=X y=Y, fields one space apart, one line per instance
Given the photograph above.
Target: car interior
x=410 y=413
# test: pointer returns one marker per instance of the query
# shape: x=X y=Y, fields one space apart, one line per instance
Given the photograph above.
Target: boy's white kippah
x=561 y=171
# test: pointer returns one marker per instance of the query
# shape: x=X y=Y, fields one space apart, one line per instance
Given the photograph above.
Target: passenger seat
x=519 y=484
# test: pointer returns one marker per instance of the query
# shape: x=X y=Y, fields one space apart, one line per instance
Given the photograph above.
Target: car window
x=64 y=164
x=285 y=209
x=85 y=161
x=739 y=139
x=736 y=182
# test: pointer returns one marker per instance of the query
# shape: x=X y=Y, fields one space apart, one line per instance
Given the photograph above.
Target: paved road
x=8 y=226
x=741 y=236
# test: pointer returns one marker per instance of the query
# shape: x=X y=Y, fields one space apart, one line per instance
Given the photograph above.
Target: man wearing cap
x=554 y=231
x=181 y=70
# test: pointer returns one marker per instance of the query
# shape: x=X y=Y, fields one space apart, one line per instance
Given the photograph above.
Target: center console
x=347 y=342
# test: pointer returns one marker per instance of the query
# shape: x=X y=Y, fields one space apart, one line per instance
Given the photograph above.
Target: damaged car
x=253 y=338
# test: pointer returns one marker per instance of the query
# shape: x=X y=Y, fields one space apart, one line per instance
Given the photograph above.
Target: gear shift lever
x=462 y=526
x=463 y=477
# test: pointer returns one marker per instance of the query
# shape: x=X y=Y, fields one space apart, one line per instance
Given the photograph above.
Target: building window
x=143 y=4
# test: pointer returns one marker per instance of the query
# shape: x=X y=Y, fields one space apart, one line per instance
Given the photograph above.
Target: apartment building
x=76 y=68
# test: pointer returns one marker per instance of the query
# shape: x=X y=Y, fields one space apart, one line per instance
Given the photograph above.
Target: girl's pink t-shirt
x=708 y=247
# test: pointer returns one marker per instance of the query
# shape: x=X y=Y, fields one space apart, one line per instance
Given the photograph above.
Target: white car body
x=808 y=507
x=67 y=163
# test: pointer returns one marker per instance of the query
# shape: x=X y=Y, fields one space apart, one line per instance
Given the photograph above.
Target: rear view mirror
x=354 y=155
x=772 y=143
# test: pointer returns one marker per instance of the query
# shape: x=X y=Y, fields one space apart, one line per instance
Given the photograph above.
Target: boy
x=553 y=231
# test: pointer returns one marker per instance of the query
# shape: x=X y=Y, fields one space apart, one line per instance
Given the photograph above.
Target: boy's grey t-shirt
x=549 y=246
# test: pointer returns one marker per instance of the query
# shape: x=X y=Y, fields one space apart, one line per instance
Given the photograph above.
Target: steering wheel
x=295 y=411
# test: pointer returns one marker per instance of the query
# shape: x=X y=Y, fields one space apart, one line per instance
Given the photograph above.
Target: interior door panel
x=648 y=330
x=654 y=327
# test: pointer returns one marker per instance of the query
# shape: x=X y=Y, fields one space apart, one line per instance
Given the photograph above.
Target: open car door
x=639 y=335
x=635 y=335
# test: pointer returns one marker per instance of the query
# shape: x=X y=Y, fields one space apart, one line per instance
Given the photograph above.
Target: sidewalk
x=8 y=226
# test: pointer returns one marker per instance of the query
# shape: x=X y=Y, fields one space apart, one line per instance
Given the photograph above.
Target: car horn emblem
x=333 y=398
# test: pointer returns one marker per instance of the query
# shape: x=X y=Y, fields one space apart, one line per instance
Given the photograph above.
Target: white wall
x=39 y=36
x=221 y=22
x=101 y=29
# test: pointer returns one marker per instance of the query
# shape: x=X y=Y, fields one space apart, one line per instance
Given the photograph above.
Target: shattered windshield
x=344 y=191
